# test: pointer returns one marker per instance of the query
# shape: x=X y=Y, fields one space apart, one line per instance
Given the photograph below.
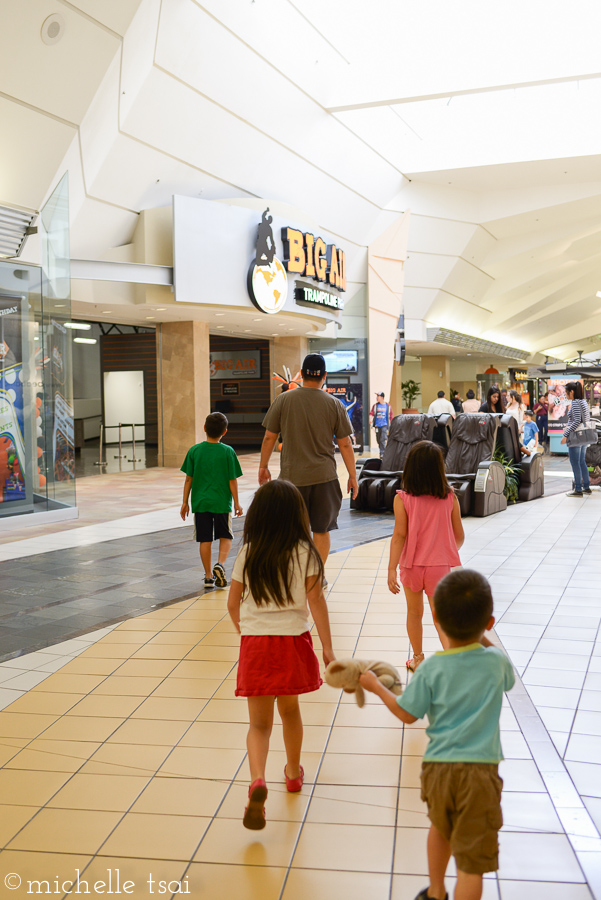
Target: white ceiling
x=484 y=124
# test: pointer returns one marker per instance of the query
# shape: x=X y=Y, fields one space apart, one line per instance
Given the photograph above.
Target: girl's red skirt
x=277 y=665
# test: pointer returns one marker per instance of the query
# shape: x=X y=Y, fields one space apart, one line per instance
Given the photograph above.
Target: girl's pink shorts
x=423 y=578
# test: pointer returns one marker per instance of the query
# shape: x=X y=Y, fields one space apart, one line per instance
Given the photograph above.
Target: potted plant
x=512 y=476
x=410 y=389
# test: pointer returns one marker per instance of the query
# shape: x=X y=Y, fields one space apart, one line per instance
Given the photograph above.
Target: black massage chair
x=477 y=479
x=380 y=479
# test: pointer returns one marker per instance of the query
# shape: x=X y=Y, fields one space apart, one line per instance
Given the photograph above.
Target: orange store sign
x=305 y=254
x=225 y=365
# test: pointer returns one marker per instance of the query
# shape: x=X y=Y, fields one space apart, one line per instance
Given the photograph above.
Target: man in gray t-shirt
x=309 y=420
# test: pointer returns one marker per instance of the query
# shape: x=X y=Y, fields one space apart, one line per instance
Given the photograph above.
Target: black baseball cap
x=314 y=366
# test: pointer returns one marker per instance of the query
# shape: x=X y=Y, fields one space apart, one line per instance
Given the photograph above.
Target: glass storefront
x=37 y=473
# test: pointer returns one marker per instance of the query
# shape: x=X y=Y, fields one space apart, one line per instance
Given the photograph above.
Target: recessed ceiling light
x=79 y=340
x=220 y=326
x=106 y=312
x=59 y=305
x=160 y=308
x=598 y=293
x=248 y=329
x=257 y=320
x=80 y=326
x=151 y=317
x=219 y=314
x=275 y=334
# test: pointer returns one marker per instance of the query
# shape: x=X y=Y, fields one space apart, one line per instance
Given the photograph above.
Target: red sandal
x=294 y=785
x=254 y=814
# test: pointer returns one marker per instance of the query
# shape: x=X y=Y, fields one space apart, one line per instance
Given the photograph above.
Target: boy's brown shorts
x=464 y=804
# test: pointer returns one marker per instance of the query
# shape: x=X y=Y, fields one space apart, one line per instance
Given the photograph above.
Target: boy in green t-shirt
x=461 y=692
x=211 y=470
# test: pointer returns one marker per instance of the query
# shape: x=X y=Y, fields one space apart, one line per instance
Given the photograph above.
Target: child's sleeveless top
x=430 y=539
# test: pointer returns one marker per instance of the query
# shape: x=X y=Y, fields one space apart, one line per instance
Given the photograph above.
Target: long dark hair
x=498 y=407
x=576 y=388
x=277 y=524
x=424 y=471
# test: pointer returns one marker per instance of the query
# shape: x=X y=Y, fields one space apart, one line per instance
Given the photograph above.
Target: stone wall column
x=436 y=376
x=183 y=388
x=287 y=351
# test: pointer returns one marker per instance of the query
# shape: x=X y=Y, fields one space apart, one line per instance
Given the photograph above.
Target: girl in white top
x=515 y=407
x=277 y=579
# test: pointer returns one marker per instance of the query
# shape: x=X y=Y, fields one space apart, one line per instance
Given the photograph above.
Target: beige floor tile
x=24 y=725
x=126 y=759
x=148 y=731
x=150 y=836
x=199 y=669
x=537 y=857
x=411 y=767
x=146 y=667
x=226 y=842
x=189 y=688
x=406 y=887
x=48 y=867
x=410 y=857
x=170 y=653
x=353 y=805
x=239 y=882
x=345 y=847
x=46 y=704
x=218 y=734
x=172 y=708
x=318 y=883
x=211 y=653
x=412 y=813
x=53 y=756
x=529 y=812
x=102 y=650
x=221 y=638
x=274 y=770
x=314 y=738
x=371 y=716
x=542 y=890
x=19 y=787
x=60 y=683
x=120 y=635
x=385 y=741
x=102 y=706
x=181 y=797
x=112 y=793
x=234 y=710
x=202 y=762
x=128 y=686
x=82 y=728
x=146 y=876
x=91 y=666
x=66 y=831
x=344 y=768
x=12 y=819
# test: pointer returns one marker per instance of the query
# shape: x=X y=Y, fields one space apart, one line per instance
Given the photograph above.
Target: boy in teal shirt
x=461 y=691
x=211 y=470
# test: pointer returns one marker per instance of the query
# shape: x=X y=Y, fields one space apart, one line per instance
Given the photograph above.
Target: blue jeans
x=581 y=478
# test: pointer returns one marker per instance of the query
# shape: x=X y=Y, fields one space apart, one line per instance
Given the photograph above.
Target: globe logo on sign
x=267 y=279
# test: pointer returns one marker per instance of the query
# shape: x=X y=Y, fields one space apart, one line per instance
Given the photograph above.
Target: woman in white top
x=277 y=579
x=516 y=408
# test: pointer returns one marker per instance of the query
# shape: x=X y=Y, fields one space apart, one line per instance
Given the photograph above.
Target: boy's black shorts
x=210 y=526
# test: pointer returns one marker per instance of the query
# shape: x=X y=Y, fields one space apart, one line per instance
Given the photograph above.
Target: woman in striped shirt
x=578 y=412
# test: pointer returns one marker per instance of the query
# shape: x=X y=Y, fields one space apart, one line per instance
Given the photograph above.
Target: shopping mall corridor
x=124 y=748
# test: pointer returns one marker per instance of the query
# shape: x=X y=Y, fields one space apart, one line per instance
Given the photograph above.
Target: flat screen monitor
x=340 y=362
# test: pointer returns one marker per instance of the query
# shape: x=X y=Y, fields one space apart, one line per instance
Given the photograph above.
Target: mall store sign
x=223 y=254
x=225 y=365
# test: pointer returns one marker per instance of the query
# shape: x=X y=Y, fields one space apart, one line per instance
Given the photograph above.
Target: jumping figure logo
x=267 y=280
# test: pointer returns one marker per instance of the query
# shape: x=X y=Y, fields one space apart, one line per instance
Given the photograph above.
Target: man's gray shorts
x=323 y=502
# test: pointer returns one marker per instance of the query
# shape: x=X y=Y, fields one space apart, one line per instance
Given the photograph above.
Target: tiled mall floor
x=127 y=750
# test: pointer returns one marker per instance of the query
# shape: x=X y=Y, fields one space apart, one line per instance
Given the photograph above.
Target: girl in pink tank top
x=427 y=535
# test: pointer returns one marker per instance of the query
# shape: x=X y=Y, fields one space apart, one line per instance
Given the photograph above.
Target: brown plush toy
x=344 y=673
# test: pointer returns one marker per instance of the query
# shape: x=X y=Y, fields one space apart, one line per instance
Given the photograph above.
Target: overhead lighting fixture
x=219 y=314
x=257 y=320
x=456 y=339
x=15 y=227
x=106 y=312
x=78 y=326
x=275 y=334
x=247 y=329
x=151 y=317
x=598 y=293
x=79 y=340
x=59 y=305
x=160 y=308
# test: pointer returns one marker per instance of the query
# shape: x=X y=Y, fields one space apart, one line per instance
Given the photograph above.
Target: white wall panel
x=266 y=100
x=61 y=78
x=115 y=14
